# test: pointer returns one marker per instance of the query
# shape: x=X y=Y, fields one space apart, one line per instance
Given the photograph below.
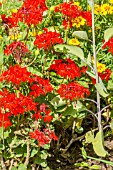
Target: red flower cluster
x=10 y=105
x=16 y=74
x=11 y=21
x=32 y=11
x=39 y=86
x=66 y=68
x=109 y=44
x=47 y=39
x=104 y=76
x=68 y=9
x=43 y=113
x=43 y=137
x=88 y=16
x=71 y=11
x=72 y=91
x=17 y=49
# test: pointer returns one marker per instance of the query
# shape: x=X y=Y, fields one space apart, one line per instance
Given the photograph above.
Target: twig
x=28 y=152
x=10 y=168
x=2 y=163
x=58 y=142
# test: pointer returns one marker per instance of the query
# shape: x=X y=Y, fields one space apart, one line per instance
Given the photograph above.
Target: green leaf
x=80 y=34
x=98 y=145
x=22 y=167
x=89 y=137
x=108 y=33
x=58 y=101
x=71 y=49
x=44 y=164
x=14 y=168
x=82 y=164
x=94 y=167
x=38 y=160
x=101 y=90
x=33 y=152
x=70 y=111
x=2 y=147
x=110 y=85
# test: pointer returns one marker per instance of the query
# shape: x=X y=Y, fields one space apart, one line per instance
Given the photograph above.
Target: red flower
x=67 y=68
x=43 y=113
x=40 y=137
x=43 y=137
x=17 y=49
x=5 y=121
x=48 y=118
x=32 y=11
x=10 y=105
x=11 y=21
x=68 y=9
x=16 y=75
x=104 y=76
x=72 y=91
x=109 y=45
x=39 y=86
x=47 y=39
x=88 y=16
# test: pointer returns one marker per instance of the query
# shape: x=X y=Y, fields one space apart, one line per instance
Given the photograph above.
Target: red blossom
x=16 y=74
x=43 y=113
x=72 y=91
x=10 y=105
x=32 y=11
x=39 y=86
x=47 y=39
x=109 y=45
x=88 y=16
x=104 y=76
x=17 y=49
x=43 y=137
x=66 y=68
x=68 y=9
x=5 y=121
x=11 y=21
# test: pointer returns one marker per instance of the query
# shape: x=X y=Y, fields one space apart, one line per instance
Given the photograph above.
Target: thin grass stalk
x=95 y=68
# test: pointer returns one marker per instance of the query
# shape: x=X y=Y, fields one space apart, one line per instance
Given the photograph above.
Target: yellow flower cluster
x=78 y=21
x=101 y=67
x=103 y=9
x=74 y=41
x=14 y=36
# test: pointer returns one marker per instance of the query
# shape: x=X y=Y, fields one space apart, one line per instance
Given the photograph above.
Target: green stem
x=95 y=68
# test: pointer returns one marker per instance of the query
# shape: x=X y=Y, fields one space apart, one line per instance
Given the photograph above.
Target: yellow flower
x=40 y=32
x=77 y=4
x=74 y=41
x=111 y=1
x=1 y=37
x=78 y=21
x=105 y=9
x=33 y=33
x=37 y=52
x=14 y=10
x=14 y=36
x=97 y=9
x=101 y=67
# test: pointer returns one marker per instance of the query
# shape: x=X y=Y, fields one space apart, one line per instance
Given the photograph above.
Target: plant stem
x=95 y=68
